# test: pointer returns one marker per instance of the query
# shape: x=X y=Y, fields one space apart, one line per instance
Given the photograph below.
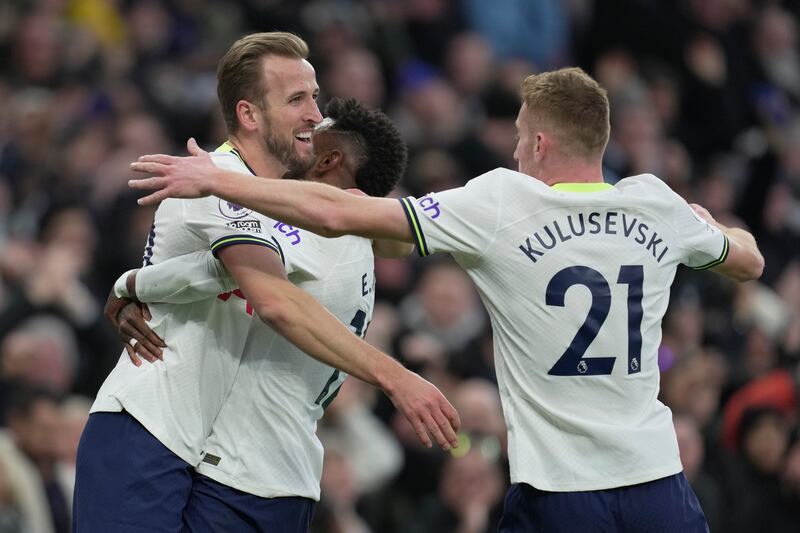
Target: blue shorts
x=665 y=505
x=126 y=480
x=214 y=507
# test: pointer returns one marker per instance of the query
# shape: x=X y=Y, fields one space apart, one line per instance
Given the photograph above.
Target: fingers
x=153 y=199
x=159 y=158
x=447 y=430
x=137 y=329
x=143 y=352
x=421 y=431
x=194 y=148
x=155 y=182
x=149 y=168
x=452 y=415
x=437 y=422
x=433 y=429
x=132 y=355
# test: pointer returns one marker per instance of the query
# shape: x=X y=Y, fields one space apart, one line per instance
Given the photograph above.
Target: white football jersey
x=264 y=440
x=177 y=399
x=576 y=279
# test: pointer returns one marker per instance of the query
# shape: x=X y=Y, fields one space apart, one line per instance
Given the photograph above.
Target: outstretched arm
x=316 y=207
x=297 y=316
x=744 y=261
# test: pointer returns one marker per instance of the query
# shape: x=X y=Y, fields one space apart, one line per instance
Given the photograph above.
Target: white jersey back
x=576 y=280
x=264 y=441
x=177 y=399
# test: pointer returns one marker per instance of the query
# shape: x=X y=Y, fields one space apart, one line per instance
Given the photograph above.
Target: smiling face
x=289 y=110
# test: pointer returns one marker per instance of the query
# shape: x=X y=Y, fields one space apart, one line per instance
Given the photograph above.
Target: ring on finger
x=133 y=342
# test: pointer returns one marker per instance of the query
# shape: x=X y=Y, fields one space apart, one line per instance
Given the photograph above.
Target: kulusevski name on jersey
x=585 y=224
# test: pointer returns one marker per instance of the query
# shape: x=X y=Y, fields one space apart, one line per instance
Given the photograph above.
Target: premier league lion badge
x=233 y=211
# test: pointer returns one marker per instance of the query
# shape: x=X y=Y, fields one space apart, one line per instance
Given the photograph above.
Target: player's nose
x=313 y=113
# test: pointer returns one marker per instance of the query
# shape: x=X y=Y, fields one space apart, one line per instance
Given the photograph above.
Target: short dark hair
x=384 y=153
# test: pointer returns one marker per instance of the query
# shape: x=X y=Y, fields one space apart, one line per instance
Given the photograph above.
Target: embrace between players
x=217 y=432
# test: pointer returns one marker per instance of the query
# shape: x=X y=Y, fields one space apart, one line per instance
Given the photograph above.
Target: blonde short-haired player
x=575 y=274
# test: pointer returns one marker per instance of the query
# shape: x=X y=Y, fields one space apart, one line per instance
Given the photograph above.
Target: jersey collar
x=582 y=187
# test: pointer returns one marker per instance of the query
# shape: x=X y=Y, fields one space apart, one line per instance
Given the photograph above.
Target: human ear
x=330 y=160
x=247 y=115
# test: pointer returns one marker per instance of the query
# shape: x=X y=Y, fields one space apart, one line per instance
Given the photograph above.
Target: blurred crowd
x=704 y=93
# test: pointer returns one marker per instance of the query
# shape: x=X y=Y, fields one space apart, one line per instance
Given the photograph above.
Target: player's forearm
x=302 y=204
x=179 y=280
x=745 y=261
x=303 y=321
x=316 y=207
x=745 y=240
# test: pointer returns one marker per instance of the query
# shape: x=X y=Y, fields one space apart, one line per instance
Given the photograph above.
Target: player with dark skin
x=355 y=149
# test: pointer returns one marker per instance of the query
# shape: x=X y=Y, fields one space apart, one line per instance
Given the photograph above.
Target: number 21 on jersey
x=573 y=362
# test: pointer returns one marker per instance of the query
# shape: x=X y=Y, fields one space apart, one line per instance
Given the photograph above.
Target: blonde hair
x=573 y=106
x=239 y=73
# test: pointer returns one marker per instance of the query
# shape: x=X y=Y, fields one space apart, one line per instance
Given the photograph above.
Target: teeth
x=304 y=136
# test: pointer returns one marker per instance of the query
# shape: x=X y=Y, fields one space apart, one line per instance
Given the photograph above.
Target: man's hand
x=426 y=408
x=703 y=213
x=129 y=319
x=139 y=339
x=175 y=177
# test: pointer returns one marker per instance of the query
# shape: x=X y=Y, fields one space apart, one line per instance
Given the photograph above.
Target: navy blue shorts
x=126 y=480
x=214 y=507
x=665 y=505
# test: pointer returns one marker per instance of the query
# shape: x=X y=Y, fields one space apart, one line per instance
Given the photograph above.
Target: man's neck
x=574 y=172
x=260 y=161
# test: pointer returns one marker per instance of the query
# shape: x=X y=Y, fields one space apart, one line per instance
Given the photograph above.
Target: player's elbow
x=753 y=269
x=275 y=312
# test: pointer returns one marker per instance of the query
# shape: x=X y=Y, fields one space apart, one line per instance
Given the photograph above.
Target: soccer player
x=575 y=274
x=149 y=424
x=262 y=462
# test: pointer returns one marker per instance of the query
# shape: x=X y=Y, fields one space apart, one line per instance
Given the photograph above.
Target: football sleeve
x=704 y=245
x=182 y=279
x=460 y=221
x=218 y=224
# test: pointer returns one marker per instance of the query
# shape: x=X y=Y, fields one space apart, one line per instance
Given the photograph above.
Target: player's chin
x=303 y=148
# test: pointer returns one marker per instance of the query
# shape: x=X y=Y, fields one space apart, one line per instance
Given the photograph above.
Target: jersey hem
x=221 y=477
x=604 y=484
x=185 y=455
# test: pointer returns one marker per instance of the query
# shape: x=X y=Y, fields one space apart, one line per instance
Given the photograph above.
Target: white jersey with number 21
x=576 y=279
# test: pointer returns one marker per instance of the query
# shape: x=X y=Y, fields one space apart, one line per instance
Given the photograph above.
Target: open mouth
x=304 y=137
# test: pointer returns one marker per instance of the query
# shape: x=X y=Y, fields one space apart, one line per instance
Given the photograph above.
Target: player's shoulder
x=502 y=181
x=649 y=189
x=228 y=161
x=499 y=175
x=643 y=183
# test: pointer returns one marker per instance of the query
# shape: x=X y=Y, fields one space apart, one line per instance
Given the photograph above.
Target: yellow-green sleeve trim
x=230 y=240
x=721 y=259
x=582 y=187
x=416 y=229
